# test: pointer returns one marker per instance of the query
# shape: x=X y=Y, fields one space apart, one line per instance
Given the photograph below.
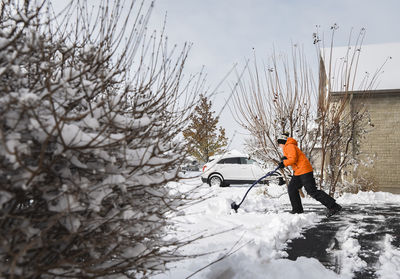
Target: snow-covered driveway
x=363 y=240
x=252 y=243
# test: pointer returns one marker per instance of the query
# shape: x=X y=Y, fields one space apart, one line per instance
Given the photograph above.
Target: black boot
x=333 y=210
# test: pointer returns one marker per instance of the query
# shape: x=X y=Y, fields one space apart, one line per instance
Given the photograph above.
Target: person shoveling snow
x=303 y=176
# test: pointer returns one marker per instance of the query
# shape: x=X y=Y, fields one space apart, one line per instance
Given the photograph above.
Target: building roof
x=382 y=60
x=371 y=93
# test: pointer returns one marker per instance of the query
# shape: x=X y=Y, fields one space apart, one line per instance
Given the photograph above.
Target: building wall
x=382 y=143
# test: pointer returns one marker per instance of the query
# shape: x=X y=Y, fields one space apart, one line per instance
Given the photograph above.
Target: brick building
x=382 y=142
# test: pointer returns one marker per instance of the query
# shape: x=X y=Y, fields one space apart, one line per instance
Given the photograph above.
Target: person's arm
x=291 y=155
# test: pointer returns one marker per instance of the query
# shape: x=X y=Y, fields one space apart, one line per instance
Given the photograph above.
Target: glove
x=281 y=165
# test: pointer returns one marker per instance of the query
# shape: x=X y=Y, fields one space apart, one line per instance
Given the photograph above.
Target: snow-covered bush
x=89 y=117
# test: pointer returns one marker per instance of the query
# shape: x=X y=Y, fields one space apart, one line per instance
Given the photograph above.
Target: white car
x=234 y=168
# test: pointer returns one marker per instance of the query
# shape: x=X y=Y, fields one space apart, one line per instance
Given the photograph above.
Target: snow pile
x=368 y=198
x=348 y=258
x=389 y=260
x=239 y=267
x=246 y=244
x=251 y=242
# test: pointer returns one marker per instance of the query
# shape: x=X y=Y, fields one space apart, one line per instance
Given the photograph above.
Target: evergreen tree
x=203 y=135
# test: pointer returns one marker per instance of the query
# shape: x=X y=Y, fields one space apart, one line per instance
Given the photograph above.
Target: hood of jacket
x=291 y=141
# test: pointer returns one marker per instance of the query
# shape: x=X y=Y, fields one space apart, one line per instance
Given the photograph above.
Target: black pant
x=307 y=180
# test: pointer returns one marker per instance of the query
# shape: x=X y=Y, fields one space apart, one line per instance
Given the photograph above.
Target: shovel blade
x=234 y=206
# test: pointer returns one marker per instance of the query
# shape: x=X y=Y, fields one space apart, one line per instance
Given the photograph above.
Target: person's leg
x=309 y=184
x=293 y=190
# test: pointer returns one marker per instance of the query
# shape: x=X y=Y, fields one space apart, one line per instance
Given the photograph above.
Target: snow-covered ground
x=251 y=242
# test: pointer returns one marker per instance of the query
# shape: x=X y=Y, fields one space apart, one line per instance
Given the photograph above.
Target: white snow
x=71 y=223
x=91 y=122
x=71 y=134
x=64 y=203
x=369 y=198
x=348 y=255
x=135 y=251
x=389 y=260
x=251 y=242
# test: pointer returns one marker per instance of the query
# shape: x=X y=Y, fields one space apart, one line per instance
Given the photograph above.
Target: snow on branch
x=90 y=117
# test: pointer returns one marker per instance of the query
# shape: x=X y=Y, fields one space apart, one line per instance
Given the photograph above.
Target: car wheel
x=215 y=181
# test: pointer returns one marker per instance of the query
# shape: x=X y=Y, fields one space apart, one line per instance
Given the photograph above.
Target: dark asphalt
x=372 y=223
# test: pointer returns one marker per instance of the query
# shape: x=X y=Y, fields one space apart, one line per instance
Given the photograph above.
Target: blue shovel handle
x=235 y=206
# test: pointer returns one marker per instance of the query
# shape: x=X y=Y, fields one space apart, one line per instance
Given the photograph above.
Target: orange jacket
x=296 y=158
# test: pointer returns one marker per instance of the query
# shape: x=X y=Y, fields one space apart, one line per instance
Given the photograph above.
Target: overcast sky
x=224 y=32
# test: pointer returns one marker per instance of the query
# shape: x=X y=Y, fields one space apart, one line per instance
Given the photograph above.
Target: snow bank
x=368 y=198
x=240 y=267
x=389 y=260
x=251 y=242
x=257 y=235
x=348 y=257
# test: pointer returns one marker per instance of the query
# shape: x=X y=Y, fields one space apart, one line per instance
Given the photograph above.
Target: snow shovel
x=235 y=206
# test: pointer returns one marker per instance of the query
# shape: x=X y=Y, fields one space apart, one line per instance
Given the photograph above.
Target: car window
x=230 y=161
x=246 y=161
